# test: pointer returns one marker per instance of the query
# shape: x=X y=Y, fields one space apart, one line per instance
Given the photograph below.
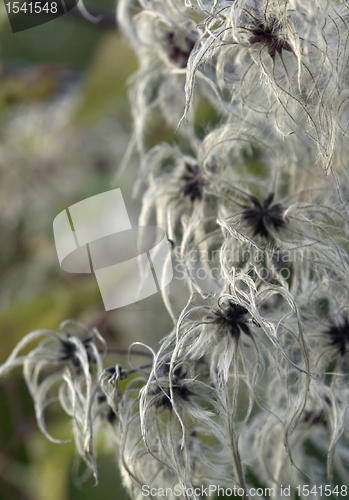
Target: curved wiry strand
x=255 y=369
x=286 y=240
x=174 y=391
x=321 y=424
x=73 y=365
x=163 y=37
x=264 y=50
x=179 y=192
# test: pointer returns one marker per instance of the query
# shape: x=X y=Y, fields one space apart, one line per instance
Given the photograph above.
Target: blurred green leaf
x=31 y=84
x=104 y=83
x=46 y=310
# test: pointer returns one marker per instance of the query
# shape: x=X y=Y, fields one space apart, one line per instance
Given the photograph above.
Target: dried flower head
x=69 y=351
x=338 y=335
x=194 y=183
x=69 y=366
x=181 y=389
x=267 y=32
x=264 y=217
x=178 y=47
x=232 y=317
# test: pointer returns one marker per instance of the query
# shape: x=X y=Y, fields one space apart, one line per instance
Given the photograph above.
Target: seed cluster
x=249 y=385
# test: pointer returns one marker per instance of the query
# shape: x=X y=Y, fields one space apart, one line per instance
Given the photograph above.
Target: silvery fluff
x=250 y=386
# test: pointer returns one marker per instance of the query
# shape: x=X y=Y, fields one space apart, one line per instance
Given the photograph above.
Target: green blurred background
x=64 y=126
